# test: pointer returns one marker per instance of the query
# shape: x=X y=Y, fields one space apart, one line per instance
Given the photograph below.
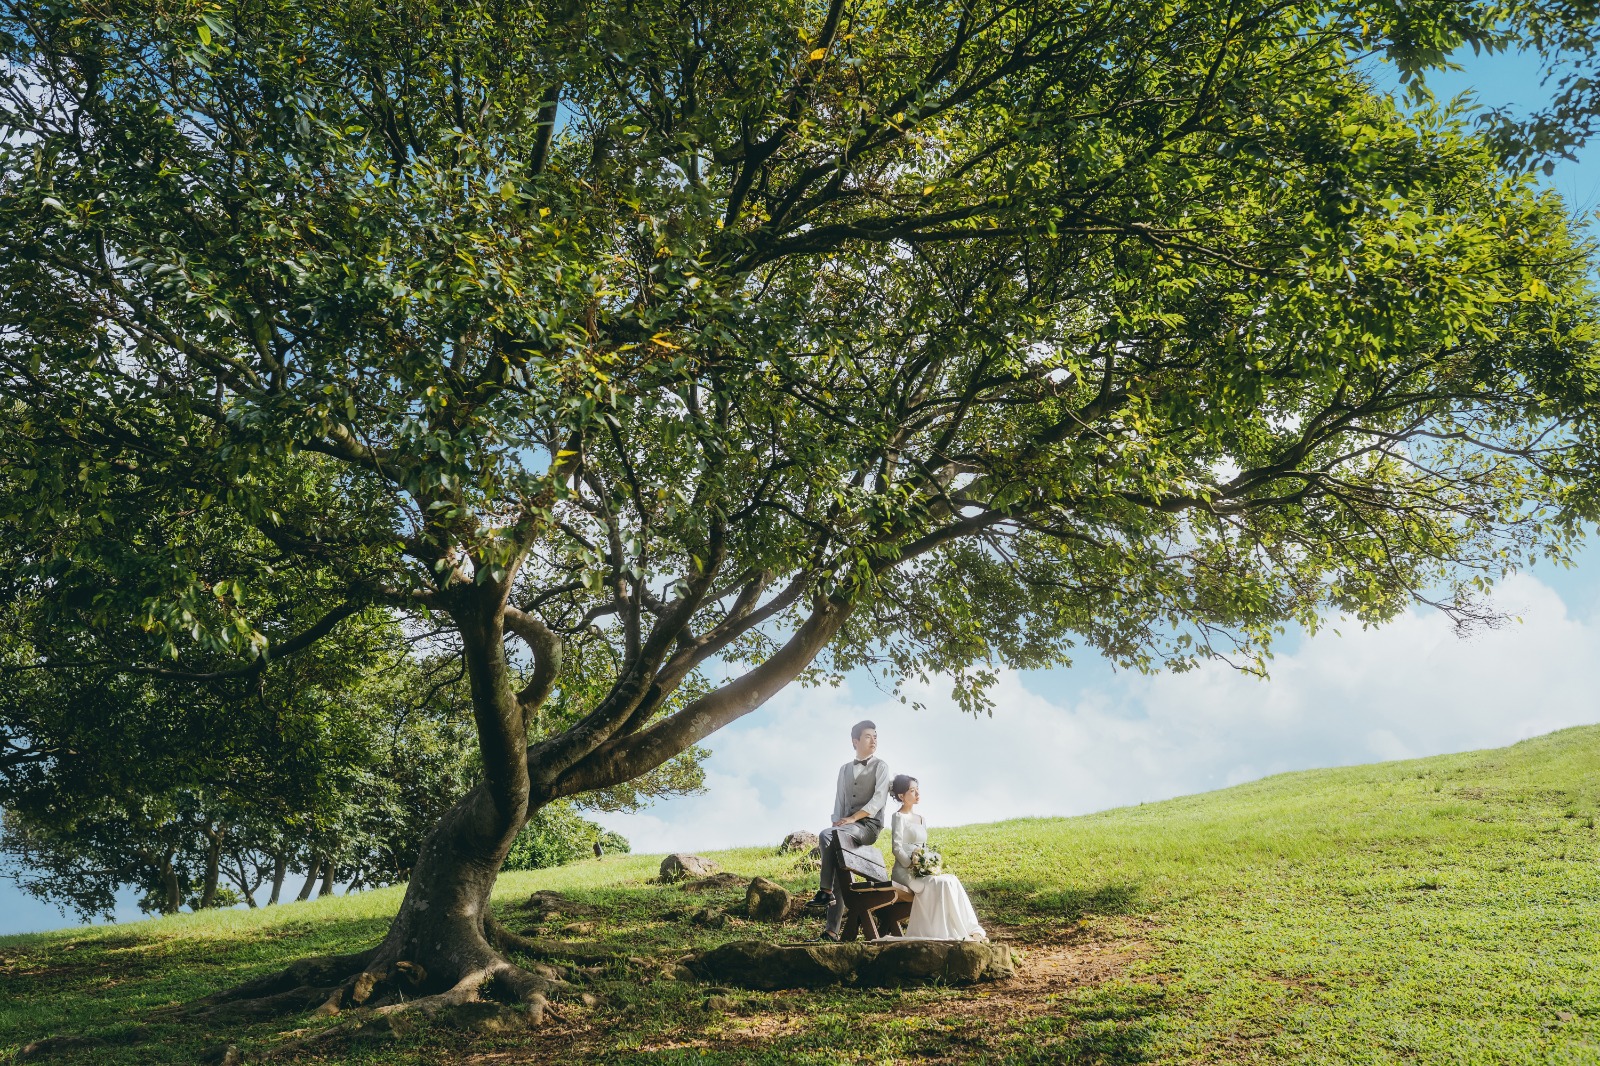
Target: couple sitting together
x=940 y=909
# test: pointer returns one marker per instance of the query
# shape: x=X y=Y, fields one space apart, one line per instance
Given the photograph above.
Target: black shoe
x=825 y=937
x=820 y=902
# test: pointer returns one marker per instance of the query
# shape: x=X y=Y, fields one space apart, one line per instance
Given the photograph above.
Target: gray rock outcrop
x=887 y=964
x=802 y=840
x=766 y=901
x=678 y=866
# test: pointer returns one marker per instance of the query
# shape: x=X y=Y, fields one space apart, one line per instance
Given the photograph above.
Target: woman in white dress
x=941 y=910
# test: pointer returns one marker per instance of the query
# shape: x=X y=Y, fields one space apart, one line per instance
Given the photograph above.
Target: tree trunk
x=168 y=895
x=214 y=838
x=441 y=922
x=280 y=870
x=443 y=941
x=439 y=943
x=311 y=877
x=238 y=871
x=171 y=888
x=327 y=879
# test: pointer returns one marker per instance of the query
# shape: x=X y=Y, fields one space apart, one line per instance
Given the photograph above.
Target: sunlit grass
x=1441 y=910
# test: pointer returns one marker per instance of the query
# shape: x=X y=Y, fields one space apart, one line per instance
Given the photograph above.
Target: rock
x=588 y=999
x=683 y=973
x=719 y=1003
x=757 y=964
x=803 y=840
x=710 y=917
x=1565 y=1016
x=578 y=929
x=677 y=867
x=766 y=901
x=554 y=903
x=719 y=882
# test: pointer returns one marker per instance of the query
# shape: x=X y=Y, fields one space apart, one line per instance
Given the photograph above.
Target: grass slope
x=1440 y=910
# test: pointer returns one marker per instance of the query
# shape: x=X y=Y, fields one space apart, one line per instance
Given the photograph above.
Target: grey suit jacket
x=865 y=791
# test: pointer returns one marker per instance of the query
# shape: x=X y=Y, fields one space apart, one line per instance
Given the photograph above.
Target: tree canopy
x=688 y=349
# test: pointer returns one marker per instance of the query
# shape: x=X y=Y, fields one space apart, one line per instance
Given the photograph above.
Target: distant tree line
x=323 y=770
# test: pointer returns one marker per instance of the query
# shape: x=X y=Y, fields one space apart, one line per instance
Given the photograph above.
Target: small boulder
x=802 y=840
x=552 y=904
x=676 y=867
x=578 y=929
x=766 y=901
x=720 y=882
x=710 y=917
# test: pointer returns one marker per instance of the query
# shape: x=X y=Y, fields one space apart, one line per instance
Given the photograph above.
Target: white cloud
x=1411 y=688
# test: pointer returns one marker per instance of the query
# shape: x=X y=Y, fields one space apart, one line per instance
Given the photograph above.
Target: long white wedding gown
x=941 y=910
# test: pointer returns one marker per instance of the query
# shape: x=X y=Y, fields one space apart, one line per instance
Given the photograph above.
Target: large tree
x=672 y=352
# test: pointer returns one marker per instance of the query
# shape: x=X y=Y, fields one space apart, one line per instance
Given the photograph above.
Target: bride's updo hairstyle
x=901 y=785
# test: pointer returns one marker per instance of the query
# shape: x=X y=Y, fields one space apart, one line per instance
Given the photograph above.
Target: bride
x=941 y=910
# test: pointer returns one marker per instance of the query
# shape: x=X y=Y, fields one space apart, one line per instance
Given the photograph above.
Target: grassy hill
x=1442 y=910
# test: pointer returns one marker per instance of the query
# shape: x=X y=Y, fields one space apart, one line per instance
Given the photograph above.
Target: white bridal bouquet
x=926 y=862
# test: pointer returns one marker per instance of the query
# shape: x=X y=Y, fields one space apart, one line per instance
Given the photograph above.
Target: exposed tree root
x=298 y=987
x=513 y=997
x=544 y=948
x=379 y=993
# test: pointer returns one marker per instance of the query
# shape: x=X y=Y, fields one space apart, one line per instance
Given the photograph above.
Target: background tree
x=166 y=848
x=690 y=349
x=178 y=786
x=557 y=834
x=364 y=771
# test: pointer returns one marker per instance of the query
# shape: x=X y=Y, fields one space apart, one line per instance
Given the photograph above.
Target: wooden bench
x=874 y=906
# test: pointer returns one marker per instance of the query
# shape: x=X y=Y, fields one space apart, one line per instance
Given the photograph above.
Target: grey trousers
x=859 y=833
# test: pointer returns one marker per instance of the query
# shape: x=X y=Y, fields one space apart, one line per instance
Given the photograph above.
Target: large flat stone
x=679 y=866
x=881 y=963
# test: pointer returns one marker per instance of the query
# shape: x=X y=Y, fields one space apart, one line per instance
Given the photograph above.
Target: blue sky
x=1070 y=741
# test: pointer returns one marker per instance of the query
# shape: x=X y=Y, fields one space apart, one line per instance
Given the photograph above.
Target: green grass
x=1443 y=910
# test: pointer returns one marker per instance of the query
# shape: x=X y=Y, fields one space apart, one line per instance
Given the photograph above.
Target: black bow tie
x=862 y=762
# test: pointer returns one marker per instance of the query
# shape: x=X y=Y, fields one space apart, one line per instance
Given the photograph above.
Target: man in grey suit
x=859 y=799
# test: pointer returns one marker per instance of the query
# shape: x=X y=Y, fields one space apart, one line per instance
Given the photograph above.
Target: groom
x=858 y=802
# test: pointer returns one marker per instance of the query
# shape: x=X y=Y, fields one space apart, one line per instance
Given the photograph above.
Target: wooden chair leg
x=869 y=926
x=891 y=919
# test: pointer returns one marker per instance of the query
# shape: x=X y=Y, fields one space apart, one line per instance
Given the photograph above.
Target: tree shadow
x=1020 y=901
x=1117 y=1024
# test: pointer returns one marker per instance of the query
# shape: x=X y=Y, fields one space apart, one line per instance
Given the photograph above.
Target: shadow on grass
x=1020 y=902
x=114 y=992
x=1114 y=1024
